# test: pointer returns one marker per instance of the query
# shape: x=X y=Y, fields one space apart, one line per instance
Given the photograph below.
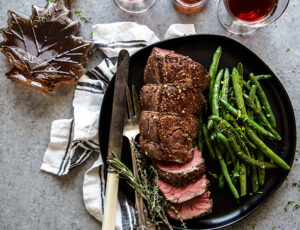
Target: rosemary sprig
x=146 y=186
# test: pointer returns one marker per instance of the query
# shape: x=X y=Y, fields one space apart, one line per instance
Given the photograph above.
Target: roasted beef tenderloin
x=196 y=207
x=165 y=66
x=179 y=175
x=160 y=152
x=180 y=98
x=182 y=194
x=168 y=136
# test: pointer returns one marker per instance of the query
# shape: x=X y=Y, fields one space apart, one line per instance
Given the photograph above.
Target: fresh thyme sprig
x=146 y=186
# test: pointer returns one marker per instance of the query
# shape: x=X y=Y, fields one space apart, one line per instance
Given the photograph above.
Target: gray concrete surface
x=30 y=199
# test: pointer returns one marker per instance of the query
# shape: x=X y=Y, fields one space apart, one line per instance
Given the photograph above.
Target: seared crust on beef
x=180 y=175
x=180 y=98
x=169 y=129
x=181 y=179
x=165 y=66
x=160 y=152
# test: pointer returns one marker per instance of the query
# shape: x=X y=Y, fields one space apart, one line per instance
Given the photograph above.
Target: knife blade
x=116 y=139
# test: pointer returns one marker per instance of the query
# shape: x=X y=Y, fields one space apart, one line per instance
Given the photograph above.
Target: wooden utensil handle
x=111 y=196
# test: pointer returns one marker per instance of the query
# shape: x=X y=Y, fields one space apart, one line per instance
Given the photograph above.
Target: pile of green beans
x=236 y=119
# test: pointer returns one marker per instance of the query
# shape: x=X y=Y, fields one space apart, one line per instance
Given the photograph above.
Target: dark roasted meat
x=180 y=175
x=182 y=194
x=171 y=100
x=165 y=66
x=174 y=131
x=196 y=207
x=180 y=98
x=160 y=152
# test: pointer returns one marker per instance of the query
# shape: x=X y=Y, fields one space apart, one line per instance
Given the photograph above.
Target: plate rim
x=291 y=116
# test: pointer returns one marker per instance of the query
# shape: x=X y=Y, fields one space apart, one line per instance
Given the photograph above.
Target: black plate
x=226 y=210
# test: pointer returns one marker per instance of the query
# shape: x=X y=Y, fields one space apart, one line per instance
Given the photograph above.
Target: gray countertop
x=30 y=199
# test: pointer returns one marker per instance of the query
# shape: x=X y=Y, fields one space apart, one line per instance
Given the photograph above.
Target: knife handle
x=110 y=204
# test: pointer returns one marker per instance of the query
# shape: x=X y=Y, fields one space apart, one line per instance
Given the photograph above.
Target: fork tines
x=135 y=99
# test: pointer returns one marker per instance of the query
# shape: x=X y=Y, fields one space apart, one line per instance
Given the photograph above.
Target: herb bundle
x=146 y=186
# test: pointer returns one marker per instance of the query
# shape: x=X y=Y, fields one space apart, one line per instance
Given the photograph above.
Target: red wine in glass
x=251 y=10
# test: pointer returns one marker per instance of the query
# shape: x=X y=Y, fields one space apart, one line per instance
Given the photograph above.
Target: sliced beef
x=171 y=130
x=182 y=194
x=180 y=98
x=196 y=207
x=165 y=66
x=159 y=151
x=181 y=174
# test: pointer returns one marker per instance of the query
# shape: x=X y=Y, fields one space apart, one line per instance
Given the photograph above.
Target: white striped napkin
x=73 y=140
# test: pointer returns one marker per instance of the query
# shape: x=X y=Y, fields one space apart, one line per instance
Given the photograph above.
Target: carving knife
x=116 y=139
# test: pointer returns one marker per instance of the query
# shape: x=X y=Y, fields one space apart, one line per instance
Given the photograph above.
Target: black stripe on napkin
x=124 y=212
x=77 y=154
x=67 y=149
x=90 y=85
x=88 y=146
x=92 y=75
x=105 y=78
x=102 y=189
x=82 y=158
x=93 y=142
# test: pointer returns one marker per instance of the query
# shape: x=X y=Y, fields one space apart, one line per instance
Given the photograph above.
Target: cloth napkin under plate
x=73 y=140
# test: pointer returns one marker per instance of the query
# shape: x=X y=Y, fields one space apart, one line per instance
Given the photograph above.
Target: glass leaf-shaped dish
x=43 y=49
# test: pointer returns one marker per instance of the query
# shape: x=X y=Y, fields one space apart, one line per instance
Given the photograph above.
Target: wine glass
x=245 y=17
x=135 y=6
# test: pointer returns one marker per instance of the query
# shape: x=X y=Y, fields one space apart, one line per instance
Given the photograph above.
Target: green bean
x=225 y=87
x=238 y=91
x=236 y=168
x=264 y=101
x=226 y=174
x=221 y=181
x=262 y=117
x=240 y=69
x=233 y=122
x=262 y=77
x=251 y=98
x=247 y=85
x=207 y=141
x=258 y=105
x=252 y=93
x=243 y=180
x=248 y=160
x=200 y=133
x=254 y=179
x=248 y=168
x=212 y=136
x=261 y=172
x=224 y=140
x=266 y=150
x=210 y=124
x=245 y=119
x=226 y=125
x=213 y=70
x=215 y=94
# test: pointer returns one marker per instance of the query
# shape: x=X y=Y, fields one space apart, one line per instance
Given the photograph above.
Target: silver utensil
x=131 y=129
x=116 y=139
